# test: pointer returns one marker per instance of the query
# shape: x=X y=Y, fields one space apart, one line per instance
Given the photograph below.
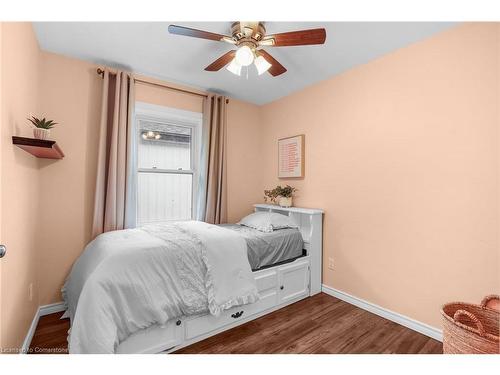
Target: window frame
x=177 y=117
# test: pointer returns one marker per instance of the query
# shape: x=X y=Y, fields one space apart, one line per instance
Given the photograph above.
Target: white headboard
x=310 y=222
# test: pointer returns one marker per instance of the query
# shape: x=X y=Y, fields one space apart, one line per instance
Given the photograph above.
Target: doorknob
x=3 y=250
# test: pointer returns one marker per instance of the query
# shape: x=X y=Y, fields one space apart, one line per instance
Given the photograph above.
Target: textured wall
x=72 y=97
x=402 y=153
x=20 y=189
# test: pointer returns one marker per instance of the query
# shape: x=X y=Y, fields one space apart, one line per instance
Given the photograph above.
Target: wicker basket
x=471 y=329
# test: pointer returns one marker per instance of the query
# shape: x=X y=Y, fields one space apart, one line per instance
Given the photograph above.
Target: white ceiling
x=148 y=48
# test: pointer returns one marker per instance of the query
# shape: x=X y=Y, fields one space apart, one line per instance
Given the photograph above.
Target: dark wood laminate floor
x=319 y=324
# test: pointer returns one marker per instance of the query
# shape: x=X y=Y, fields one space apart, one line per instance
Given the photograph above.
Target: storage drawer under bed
x=207 y=323
x=153 y=339
x=267 y=282
x=277 y=286
x=283 y=284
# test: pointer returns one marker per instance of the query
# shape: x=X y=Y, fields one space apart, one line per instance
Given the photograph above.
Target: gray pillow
x=267 y=221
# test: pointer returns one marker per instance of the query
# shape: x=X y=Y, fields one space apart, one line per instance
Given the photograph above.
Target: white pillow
x=267 y=221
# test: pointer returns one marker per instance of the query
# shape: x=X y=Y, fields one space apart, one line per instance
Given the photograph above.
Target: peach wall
x=1 y=132
x=73 y=98
x=20 y=191
x=165 y=97
x=244 y=161
x=402 y=153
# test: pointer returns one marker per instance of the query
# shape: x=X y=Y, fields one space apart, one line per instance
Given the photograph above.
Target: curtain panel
x=215 y=123
x=113 y=193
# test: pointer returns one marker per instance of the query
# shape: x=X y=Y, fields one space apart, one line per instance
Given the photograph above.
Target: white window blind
x=168 y=150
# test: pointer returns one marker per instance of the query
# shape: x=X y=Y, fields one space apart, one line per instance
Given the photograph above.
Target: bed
x=128 y=295
x=270 y=249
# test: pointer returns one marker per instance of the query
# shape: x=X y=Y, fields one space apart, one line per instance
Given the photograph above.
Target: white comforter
x=131 y=279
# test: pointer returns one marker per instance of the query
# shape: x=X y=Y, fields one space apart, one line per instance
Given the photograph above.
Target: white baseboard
x=52 y=308
x=40 y=311
x=412 y=324
x=31 y=332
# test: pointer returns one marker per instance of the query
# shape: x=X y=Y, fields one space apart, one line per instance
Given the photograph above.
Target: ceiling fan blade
x=187 y=31
x=295 y=38
x=276 y=68
x=221 y=61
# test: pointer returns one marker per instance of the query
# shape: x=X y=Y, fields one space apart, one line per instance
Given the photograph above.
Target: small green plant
x=43 y=123
x=278 y=191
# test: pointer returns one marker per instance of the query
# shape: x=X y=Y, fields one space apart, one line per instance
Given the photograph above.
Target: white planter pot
x=40 y=133
x=285 y=202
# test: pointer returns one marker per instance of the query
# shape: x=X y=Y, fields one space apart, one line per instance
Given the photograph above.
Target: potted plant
x=282 y=195
x=42 y=127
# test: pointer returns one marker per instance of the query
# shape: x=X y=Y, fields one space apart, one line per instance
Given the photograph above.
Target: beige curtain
x=113 y=154
x=214 y=111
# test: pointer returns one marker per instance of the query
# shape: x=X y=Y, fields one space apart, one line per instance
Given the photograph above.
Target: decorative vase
x=285 y=201
x=40 y=133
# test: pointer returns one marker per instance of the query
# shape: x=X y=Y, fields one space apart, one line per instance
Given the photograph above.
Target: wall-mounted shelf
x=39 y=147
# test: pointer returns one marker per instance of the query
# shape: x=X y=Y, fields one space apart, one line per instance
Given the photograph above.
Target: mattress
x=267 y=249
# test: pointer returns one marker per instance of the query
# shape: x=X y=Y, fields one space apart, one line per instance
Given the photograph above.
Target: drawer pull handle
x=237 y=314
x=282 y=287
x=178 y=323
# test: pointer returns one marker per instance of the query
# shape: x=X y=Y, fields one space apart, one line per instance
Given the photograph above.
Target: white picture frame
x=291 y=157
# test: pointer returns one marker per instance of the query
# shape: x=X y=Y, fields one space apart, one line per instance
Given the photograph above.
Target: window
x=168 y=150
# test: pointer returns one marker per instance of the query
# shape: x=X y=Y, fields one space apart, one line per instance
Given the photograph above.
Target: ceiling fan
x=249 y=37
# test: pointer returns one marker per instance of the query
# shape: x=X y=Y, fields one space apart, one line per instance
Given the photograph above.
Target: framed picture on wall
x=291 y=157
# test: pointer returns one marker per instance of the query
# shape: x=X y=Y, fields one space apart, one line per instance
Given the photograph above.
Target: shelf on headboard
x=40 y=148
x=309 y=211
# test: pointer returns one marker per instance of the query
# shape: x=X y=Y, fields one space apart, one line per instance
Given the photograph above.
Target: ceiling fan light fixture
x=248 y=37
x=244 y=56
x=262 y=65
x=234 y=67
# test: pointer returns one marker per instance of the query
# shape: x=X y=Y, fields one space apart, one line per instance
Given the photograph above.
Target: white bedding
x=131 y=279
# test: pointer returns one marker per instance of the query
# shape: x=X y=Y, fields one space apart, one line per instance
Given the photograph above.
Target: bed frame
x=278 y=286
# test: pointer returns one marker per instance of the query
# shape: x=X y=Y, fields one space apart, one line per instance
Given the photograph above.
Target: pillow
x=267 y=221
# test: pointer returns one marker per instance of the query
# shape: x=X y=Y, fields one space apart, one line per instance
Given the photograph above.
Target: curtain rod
x=101 y=73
